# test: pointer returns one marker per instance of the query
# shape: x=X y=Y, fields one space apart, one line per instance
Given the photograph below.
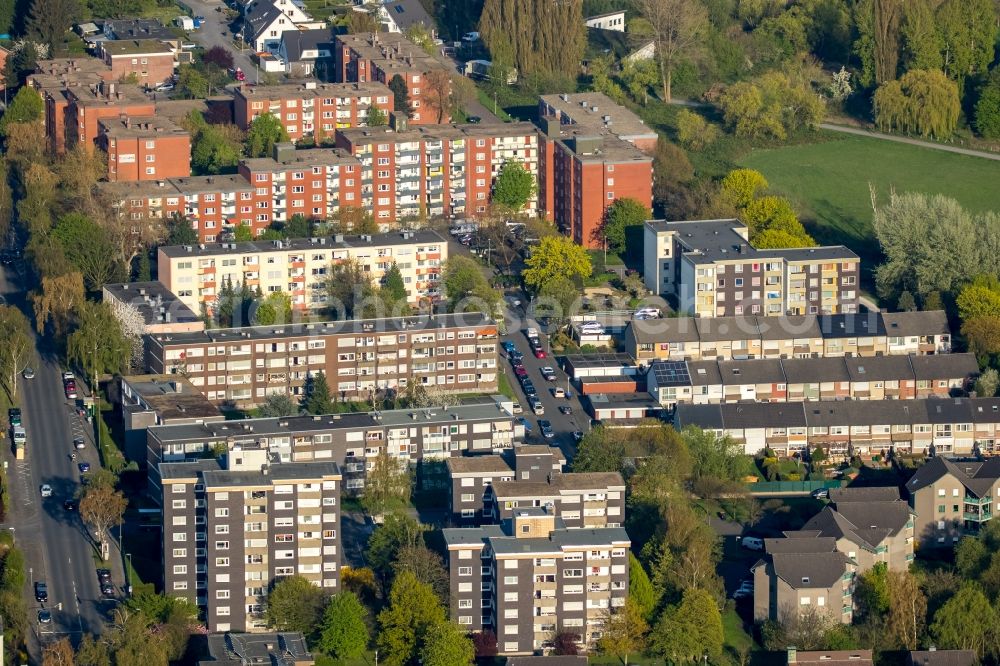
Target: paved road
x=913 y=142
x=55 y=542
x=215 y=32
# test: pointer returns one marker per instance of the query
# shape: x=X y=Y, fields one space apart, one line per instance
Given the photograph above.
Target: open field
x=828 y=182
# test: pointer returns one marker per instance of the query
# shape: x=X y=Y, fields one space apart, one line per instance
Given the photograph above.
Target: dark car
x=14 y=414
x=44 y=617
x=566 y=409
x=577 y=436
x=84 y=467
x=516 y=356
x=529 y=388
x=546 y=428
x=41 y=592
x=475 y=120
x=107 y=589
x=69 y=505
x=520 y=371
x=104 y=575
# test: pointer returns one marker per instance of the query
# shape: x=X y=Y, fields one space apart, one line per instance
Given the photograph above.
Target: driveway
x=215 y=32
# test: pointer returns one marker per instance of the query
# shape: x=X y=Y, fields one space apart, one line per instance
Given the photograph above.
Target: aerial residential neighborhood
x=526 y=332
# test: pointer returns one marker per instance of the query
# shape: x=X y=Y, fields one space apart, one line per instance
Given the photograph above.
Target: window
x=465 y=571
x=222 y=561
x=222 y=513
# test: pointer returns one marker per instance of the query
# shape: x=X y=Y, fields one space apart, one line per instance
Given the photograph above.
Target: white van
x=752 y=543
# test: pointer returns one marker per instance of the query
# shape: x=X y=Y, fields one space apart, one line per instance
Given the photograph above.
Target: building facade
x=796 y=575
x=439 y=169
x=359 y=357
x=711 y=269
x=311 y=108
x=951 y=498
x=593 y=153
x=299 y=267
x=144 y=148
x=529 y=578
x=147 y=62
x=866 y=335
x=351 y=440
x=959 y=426
x=232 y=530
x=159 y=310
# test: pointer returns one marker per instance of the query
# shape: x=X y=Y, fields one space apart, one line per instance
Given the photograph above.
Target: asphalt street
x=215 y=32
x=56 y=544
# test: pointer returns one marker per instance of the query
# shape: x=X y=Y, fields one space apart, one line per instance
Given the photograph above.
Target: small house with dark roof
x=951 y=498
x=934 y=657
x=287 y=648
x=798 y=574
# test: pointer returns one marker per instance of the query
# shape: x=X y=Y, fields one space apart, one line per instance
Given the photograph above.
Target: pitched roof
x=810 y=570
x=931 y=322
x=936 y=657
x=755 y=371
x=477 y=465
x=298 y=41
x=810 y=370
x=944 y=366
x=878 y=368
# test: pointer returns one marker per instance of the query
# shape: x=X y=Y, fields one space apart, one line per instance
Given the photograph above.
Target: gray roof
x=298 y=41
x=878 y=368
x=276 y=472
x=864 y=494
x=172 y=397
x=587 y=111
x=414 y=324
x=862 y=523
x=938 y=657
x=401 y=237
x=796 y=327
x=704 y=373
x=944 y=366
x=670 y=329
x=187 y=470
x=260 y=16
x=561 y=538
x=581 y=361
x=763 y=415
x=271 y=649
x=931 y=322
x=852 y=325
x=723 y=329
x=471 y=536
x=477 y=465
x=570 y=481
x=756 y=371
x=812 y=370
x=977 y=477
x=707 y=417
x=794 y=544
x=153 y=301
x=810 y=570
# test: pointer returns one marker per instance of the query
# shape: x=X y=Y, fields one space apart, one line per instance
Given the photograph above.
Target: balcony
x=977 y=517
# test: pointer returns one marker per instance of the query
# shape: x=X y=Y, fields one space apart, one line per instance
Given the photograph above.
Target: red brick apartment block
x=144 y=148
x=150 y=61
x=52 y=79
x=593 y=152
x=311 y=108
x=380 y=56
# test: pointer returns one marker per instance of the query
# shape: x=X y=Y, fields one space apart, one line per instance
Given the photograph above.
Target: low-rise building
x=439 y=169
x=147 y=62
x=936 y=657
x=234 y=528
x=946 y=426
x=798 y=575
x=868 y=334
x=829 y=657
x=308 y=53
x=359 y=357
x=802 y=379
x=151 y=308
x=593 y=153
x=579 y=499
x=951 y=498
x=351 y=440
x=154 y=400
x=712 y=270
x=311 y=108
x=144 y=148
x=380 y=56
x=284 y=648
x=607 y=21
x=530 y=577
x=299 y=267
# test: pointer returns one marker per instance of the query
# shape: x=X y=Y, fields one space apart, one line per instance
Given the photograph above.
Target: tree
x=92 y=653
x=694 y=132
x=437 y=94
x=59 y=653
x=317 y=395
x=463 y=280
x=922 y=45
x=344 y=630
x=215 y=149
x=422 y=37
x=192 y=83
x=624 y=631
x=678 y=30
x=102 y=507
x=352 y=220
x=556 y=256
x=922 y=101
x=772 y=105
x=968 y=32
x=640 y=590
x=558 y=299
x=387 y=485
x=376 y=117
x=741 y=187
x=265 y=131
x=295 y=604
x=17 y=349
x=716 y=457
x=689 y=630
x=513 y=187
x=987 y=383
x=26 y=107
x=276 y=405
x=393 y=286
x=351 y=293
x=400 y=95
x=412 y=610
x=98 y=344
x=57 y=299
x=621 y=214
x=987 y=113
x=979 y=298
x=396 y=532
x=180 y=231
x=967 y=621
x=276 y=308
x=87 y=246
x=446 y=644
x=426 y=565
x=907 y=609
x=49 y=20
x=538 y=37
x=878 y=24
x=773 y=224
x=219 y=56
x=565 y=643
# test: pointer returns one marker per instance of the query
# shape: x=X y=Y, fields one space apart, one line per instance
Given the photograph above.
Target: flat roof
x=127 y=47
x=414 y=324
x=384 y=134
x=392 y=51
x=140 y=126
x=172 y=396
x=108 y=94
x=276 y=472
x=301 y=158
x=402 y=237
x=312 y=87
x=588 y=110
x=153 y=301
x=602 y=360
x=263 y=427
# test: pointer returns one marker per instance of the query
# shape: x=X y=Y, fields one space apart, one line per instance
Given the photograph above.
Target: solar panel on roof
x=671 y=372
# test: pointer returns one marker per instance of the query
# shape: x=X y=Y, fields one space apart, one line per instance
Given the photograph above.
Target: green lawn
x=828 y=182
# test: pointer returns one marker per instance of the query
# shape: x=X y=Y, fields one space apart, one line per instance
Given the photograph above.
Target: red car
x=539 y=353
x=520 y=371
x=70 y=390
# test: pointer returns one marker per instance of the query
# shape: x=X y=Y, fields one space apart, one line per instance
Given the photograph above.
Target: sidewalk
x=913 y=142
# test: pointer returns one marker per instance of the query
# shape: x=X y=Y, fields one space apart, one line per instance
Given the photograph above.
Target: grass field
x=828 y=182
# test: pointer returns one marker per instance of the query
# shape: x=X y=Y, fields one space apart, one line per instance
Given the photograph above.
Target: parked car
x=524 y=422
x=820 y=493
x=14 y=416
x=46 y=490
x=79 y=443
x=44 y=616
x=517 y=408
x=752 y=543
x=558 y=392
x=565 y=409
x=84 y=467
x=69 y=505
x=508 y=347
x=744 y=590
x=520 y=371
x=28 y=373
x=546 y=428
x=107 y=590
x=41 y=592
x=577 y=435
x=104 y=576
x=548 y=373
x=475 y=120
x=537 y=408
x=539 y=353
